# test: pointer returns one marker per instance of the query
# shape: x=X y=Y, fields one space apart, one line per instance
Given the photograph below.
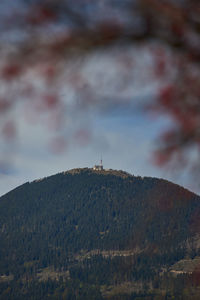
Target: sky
x=113 y=124
x=102 y=116
x=125 y=141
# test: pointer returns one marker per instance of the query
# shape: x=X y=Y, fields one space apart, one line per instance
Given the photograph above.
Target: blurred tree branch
x=52 y=33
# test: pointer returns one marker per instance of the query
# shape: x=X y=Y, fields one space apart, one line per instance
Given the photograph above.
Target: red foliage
x=165 y=23
x=109 y=30
x=41 y=14
x=167 y=95
x=161 y=158
x=49 y=73
x=59 y=45
x=11 y=71
x=177 y=29
x=50 y=101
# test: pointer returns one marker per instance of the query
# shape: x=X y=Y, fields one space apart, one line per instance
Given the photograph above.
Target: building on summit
x=98 y=167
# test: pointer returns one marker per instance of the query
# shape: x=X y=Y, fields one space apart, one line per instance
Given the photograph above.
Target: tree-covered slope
x=105 y=216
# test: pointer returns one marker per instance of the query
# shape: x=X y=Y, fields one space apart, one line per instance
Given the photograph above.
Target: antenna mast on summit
x=99 y=167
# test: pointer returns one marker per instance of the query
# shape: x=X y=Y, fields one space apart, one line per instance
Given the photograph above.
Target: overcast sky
x=124 y=140
x=117 y=82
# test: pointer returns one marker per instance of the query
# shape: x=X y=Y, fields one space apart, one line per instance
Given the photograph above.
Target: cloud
x=104 y=100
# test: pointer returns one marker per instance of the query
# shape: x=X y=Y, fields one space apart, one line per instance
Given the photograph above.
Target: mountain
x=85 y=234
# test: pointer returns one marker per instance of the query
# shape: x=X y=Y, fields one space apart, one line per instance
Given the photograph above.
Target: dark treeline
x=53 y=222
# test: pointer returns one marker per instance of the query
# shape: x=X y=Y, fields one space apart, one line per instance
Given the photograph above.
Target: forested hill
x=61 y=221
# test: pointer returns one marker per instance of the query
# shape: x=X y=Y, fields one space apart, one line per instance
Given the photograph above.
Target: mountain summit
x=96 y=234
